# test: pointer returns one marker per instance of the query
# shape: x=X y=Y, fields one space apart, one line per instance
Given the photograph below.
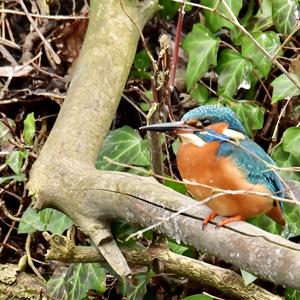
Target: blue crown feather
x=216 y=114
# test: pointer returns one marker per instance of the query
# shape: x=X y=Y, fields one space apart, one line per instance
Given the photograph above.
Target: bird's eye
x=205 y=122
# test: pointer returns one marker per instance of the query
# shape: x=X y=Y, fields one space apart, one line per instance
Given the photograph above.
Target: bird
x=217 y=154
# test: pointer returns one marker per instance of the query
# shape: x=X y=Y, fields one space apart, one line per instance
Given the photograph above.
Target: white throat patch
x=233 y=134
x=192 y=139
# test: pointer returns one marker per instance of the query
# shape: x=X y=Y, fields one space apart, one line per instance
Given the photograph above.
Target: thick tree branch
x=225 y=280
x=64 y=176
x=100 y=76
x=143 y=201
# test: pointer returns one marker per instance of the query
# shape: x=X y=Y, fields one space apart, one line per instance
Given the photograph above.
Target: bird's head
x=201 y=120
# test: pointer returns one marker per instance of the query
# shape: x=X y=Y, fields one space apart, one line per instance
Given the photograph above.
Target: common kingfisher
x=216 y=152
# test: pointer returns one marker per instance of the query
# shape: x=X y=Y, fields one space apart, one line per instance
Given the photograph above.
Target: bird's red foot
x=208 y=218
x=229 y=220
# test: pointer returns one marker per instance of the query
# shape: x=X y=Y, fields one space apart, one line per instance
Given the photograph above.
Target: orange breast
x=200 y=164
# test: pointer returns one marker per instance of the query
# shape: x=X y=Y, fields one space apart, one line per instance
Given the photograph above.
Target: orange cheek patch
x=219 y=127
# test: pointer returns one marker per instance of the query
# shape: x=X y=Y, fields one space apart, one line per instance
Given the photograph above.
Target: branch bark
x=227 y=281
x=64 y=176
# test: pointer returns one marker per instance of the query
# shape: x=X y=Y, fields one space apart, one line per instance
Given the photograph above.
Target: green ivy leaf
x=176 y=186
x=47 y=219
x=286 y=160
x=235 y=33
x=285 y=15
x=19 y=178
x=121 y=230
x=29 y=129
x=15 y=160
x=283 y=87
x=270 y=41
x=30 y=222
x=286 y=153
x=263 y=19
x=55 y=285
x=292 y=214
x=202 y=48
x=136 y=288
x=291 y=141
x=197 y=297
x=292 y=294
x=199 y=93
x=170 y=9
x=266 y=223
x=234 y=73
x=250 y=114
x=216 y=22
x=74 y=282
x=176 y=248
x=54 y=220
x=265 y=9
x=248 y=277
x=123 y=145
x=142 y=61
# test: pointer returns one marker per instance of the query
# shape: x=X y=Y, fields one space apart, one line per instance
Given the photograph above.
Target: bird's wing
x=255 y=162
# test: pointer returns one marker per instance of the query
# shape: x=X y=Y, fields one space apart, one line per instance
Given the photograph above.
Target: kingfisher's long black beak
x=168 y=127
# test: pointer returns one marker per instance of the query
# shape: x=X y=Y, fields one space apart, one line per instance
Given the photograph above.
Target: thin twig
x=7 y=213
x=9 y=44
x=12 y=227
x=55 y=57
x=287 y=39
x=275 y=132
x=29 y=259
x=58 y=17
x=134 y=105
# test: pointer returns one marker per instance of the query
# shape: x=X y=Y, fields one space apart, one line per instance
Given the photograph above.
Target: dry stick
x=47 y=44
x=235 y=21
x=279 y=118
x=29 y=259
x=9 y=43
x=3 y=22
x=7 y=213
x=134 y=105
x=11 y=228
x=287 y=39
x=19 y=69
x=6 y=54
x=58 y=17
x=269 y=120
x=10 y=32
x=229 y=282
